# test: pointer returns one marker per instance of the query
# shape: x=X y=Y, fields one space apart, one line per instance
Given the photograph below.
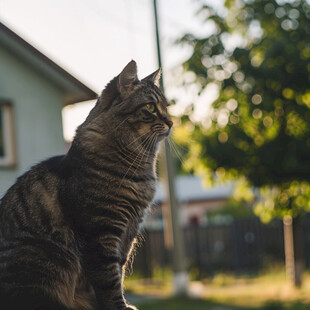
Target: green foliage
x=293 y=198
x=273 y=305
x=259 y=126
x=233 y=208
x=277 y=305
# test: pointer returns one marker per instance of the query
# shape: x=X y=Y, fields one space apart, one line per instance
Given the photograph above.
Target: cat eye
x=151 y=107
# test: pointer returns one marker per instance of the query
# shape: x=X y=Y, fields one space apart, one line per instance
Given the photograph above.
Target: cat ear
x=127 y=78
x=154 y=77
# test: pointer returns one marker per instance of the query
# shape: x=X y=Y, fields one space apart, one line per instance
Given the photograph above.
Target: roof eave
x=74 y=90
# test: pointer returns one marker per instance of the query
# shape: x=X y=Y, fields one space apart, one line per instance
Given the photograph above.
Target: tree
x=259 y=126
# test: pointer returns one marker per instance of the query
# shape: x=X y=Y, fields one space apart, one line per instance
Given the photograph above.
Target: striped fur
x=68 y=225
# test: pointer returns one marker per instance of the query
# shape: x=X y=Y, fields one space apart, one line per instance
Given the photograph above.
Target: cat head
x=129 y=108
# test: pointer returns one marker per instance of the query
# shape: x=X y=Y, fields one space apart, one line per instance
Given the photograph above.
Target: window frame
x=9 y=157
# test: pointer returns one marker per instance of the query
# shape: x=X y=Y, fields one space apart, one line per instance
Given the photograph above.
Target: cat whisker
x=174 y=148
x=186 y=140
x=149 y=145
x=130 y=155
x=139 y=165
x=126 y=146
x=131 y=165
x=178 y=145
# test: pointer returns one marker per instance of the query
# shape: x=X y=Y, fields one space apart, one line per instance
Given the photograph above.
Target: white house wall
x=37 y=113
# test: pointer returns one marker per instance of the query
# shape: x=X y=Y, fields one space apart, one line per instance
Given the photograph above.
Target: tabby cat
x=67 y=226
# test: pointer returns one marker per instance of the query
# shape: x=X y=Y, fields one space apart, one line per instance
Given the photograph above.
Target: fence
x=240 y=246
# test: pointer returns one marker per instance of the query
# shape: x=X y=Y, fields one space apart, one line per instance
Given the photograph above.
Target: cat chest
x=141 y=193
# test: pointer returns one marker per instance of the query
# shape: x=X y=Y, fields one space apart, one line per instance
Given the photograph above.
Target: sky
x=94 y=39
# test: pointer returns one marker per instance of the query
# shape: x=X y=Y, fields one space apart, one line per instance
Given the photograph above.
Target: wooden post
x=289 y=249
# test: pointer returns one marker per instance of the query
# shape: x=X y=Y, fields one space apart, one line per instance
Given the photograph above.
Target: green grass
x=257 y=291
x=160 y=285
x=178 y=304
x=200 y=304
x=265 y=291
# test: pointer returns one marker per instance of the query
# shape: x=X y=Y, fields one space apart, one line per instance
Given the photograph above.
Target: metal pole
x=180 y=278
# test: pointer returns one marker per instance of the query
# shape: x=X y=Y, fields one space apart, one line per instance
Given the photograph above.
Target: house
x=194 y=201
x=33 y=91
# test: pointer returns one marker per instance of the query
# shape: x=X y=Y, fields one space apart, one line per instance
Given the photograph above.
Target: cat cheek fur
x=144 y=128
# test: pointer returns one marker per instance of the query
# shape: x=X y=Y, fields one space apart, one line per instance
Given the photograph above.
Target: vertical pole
x=298 y=250
x=289 y=249
x=180 y=275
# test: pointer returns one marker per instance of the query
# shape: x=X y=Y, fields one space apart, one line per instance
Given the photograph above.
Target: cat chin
x=164 y=135
x=161 y=137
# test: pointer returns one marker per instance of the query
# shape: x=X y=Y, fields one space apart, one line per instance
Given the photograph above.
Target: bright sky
x=95 y=39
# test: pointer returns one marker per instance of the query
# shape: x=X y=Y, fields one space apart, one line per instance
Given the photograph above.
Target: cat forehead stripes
x=128 y=79
x=153 y=93
x=159 y=99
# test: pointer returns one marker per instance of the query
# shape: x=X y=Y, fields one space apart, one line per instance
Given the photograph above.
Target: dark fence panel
x=240 y=246
x=306 y=240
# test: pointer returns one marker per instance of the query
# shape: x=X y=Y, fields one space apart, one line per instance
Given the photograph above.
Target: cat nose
x=168 y=121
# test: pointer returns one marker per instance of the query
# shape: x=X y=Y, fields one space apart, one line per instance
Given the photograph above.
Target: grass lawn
x=181 y=304
x=200 y=304
x=267 y=291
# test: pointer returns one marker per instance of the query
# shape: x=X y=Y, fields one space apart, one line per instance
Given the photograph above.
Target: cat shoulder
x=44 y=170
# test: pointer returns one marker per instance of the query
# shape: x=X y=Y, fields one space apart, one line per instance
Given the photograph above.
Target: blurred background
x=229 y=227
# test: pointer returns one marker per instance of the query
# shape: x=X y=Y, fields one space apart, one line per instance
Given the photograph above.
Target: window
x=7 y=139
